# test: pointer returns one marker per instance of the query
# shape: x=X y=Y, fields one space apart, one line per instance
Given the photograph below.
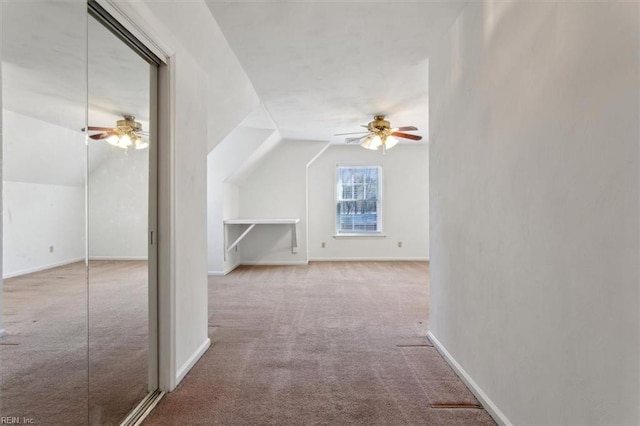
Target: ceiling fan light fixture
x=390 y=142
x=127 y=133
x=380 y=135
x=372 y=142
x=125 y=141
x=113 y=140
x=142 y=144
x=129 y=124
x=375 y=142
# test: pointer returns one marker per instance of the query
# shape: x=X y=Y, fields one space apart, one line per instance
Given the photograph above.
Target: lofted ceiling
x=327 y=67
x=57 y=76
x=319 y=68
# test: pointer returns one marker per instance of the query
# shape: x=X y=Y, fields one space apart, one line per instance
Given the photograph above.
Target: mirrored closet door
x=43 y=353
x=118 y=198
x=78 y=295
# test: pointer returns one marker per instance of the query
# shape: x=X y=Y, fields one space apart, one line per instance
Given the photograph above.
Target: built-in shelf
x=251 y=223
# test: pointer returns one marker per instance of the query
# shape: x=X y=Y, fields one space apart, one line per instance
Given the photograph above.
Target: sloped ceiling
x=56 y=62
x=327 y=67
x=319 y=68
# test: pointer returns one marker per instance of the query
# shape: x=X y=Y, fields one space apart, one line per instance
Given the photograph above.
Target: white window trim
x=380 y=213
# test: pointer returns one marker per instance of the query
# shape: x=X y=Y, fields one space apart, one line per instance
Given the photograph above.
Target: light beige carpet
x=60 y=365
x=332 y=343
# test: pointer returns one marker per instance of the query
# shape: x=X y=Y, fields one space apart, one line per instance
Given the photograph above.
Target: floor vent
x=441 y=386
x=455 y=405
x=142 y=410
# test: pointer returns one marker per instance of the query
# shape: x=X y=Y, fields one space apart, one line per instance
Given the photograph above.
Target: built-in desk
x=251 y=223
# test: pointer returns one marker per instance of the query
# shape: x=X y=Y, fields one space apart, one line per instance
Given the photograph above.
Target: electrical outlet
x=322 y=244
x=50 y=249
x=399 y=244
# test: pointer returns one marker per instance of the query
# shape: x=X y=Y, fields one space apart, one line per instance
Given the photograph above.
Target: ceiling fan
x=380 y=134
x=127 y=133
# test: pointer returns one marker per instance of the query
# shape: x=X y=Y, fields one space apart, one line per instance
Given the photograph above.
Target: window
x=358 y=200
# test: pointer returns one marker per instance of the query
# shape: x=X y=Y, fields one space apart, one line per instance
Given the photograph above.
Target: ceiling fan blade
x=352 y=133
x=99 y=129
x=355 y=140
x=406 y=136
x=405 y=129
x=100 y=136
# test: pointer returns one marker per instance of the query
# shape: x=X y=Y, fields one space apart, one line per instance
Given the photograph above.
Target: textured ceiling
x=319 y=68
x=44 y=56
x=52 y=71
x=327 y=67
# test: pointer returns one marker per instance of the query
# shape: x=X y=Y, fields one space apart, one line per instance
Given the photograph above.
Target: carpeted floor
x=332 y=343
x=59 y=366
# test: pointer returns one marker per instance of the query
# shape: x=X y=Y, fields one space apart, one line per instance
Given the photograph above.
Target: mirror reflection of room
x=117 y=207
x=43 y=353
x=75 y=340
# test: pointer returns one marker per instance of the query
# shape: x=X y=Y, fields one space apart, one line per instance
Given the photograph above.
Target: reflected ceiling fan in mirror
x=380 y=134
x=127 y=133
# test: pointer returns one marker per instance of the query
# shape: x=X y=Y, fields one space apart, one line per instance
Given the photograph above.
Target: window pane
x=345 y=175
x=347 y=192
x=371 y=175
x=358 y=192
x=372 y=192
x=357 y=203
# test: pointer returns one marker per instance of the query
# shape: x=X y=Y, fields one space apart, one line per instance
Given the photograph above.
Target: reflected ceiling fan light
x=142 y=144
x=125 y=141
x=113 y=140
x=126 y=134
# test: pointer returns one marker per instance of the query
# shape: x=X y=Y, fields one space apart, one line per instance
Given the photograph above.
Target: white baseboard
x=257 y=263
x=274 y=263
x=318 y=259
x=486 y=402
x=193 y=359
x=369 y=259
x=41 y=268
x=221 y=273
x=118 y=258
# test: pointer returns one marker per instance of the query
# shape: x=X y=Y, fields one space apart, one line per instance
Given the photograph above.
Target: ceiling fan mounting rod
x=129 y=124
x=379 y=124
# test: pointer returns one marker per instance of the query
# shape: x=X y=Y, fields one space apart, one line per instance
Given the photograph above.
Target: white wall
x=118 y=206
x=47 y=153
x=405 y=205
x=37 y=217
x=212 y=95
x=277 y=190
x=222 y=196
x=534 y=207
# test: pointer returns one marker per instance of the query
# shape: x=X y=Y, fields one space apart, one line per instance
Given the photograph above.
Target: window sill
x=364 y=235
